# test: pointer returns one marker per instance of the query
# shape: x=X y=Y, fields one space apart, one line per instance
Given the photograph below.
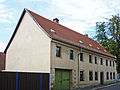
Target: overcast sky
x=79 y=15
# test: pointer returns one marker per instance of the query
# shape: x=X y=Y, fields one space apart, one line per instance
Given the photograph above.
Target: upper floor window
x=81 y=75
x=71 y=54
x=106 y=62
x=101 y=61
x=90 y=75
x=110 y=63
x=58 y=51
x=95 y=60
x=113 y=63
x=81 y=56
x=90 y=58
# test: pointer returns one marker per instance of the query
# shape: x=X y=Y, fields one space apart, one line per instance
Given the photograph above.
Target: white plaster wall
x=30 y=48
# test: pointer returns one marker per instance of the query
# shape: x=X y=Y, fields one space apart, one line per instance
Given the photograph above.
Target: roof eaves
x=79 y=45
x=38 y=24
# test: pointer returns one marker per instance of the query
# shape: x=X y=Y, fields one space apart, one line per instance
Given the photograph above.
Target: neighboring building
x=73 y=60
x=2 y=61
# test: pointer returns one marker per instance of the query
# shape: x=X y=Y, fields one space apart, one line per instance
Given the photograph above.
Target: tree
x=108 y=35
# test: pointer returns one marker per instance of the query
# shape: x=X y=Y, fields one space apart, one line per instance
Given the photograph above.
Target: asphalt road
x=114 y=87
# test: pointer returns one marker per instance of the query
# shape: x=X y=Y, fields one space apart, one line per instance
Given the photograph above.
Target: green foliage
x=108 y=35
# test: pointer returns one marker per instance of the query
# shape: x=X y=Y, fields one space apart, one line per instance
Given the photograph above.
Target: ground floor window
x=90 y=75
x=96 y=75
x=81 y=75
x=114 y=75
x=111 y=75
x=107 y=75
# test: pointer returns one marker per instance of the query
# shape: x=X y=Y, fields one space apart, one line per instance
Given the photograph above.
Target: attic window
x=90 y=45
x=98 y=48
x=52 y=31
x=105 y=51
x=81 y=41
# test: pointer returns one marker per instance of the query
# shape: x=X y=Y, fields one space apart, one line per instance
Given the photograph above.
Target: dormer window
x=90 y=45
x=81 y=42
x=53 y=31
x=98 y=48
x=105 y=51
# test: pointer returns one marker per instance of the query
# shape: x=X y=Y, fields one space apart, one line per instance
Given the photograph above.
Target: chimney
x=56 y=20
x=86 y=35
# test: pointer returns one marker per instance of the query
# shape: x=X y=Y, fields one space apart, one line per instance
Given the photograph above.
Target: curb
x=105 y=86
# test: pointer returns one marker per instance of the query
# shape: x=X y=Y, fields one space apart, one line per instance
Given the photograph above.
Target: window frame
x=58 y=51
x=90 y=58
x=90 y=76
x=82 y=77
x=106 y=62
x=96 y=60
x=81 y=56
x=107 y=75
x=71 y=54
x=96 y=76
x=101 y=61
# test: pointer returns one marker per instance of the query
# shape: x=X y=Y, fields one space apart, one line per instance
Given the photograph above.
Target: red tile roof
x=67 y=35
x=2 y=61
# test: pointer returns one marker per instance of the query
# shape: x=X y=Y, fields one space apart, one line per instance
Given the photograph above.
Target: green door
x=62 y=80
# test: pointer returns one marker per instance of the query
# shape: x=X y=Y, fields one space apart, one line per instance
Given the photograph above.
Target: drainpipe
x=79 y=66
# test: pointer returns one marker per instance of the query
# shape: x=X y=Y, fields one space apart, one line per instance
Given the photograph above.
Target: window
x=111 y=75
x=107 y=75
x=96 y=75
x=101 y=61
x=113 y=63
x=90 y=58
x=95 y=60
x=90 y=75
x=114 y=75
x=106 y=62
x=71 y=54
x=110 y=63
x=58 y=51
x=81 y=75
x=81 y=56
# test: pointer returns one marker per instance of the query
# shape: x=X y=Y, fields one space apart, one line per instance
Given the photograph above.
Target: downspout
x=79 y=66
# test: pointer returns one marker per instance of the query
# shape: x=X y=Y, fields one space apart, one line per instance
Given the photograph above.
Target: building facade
x=71 y=59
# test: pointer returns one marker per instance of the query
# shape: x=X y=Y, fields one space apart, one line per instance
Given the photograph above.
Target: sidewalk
x=98 y=87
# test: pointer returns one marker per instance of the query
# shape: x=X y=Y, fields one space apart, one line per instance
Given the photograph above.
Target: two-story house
x=72 y=60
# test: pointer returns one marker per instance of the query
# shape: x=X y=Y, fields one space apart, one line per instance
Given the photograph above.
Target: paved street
x=114 y=87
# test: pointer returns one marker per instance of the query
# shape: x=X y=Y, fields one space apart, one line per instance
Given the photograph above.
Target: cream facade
x=75 y=66
x=30 y=49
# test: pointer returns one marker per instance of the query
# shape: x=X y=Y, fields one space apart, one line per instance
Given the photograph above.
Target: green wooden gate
x=62 y=80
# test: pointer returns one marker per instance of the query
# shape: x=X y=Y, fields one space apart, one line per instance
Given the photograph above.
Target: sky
x=78 y=15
